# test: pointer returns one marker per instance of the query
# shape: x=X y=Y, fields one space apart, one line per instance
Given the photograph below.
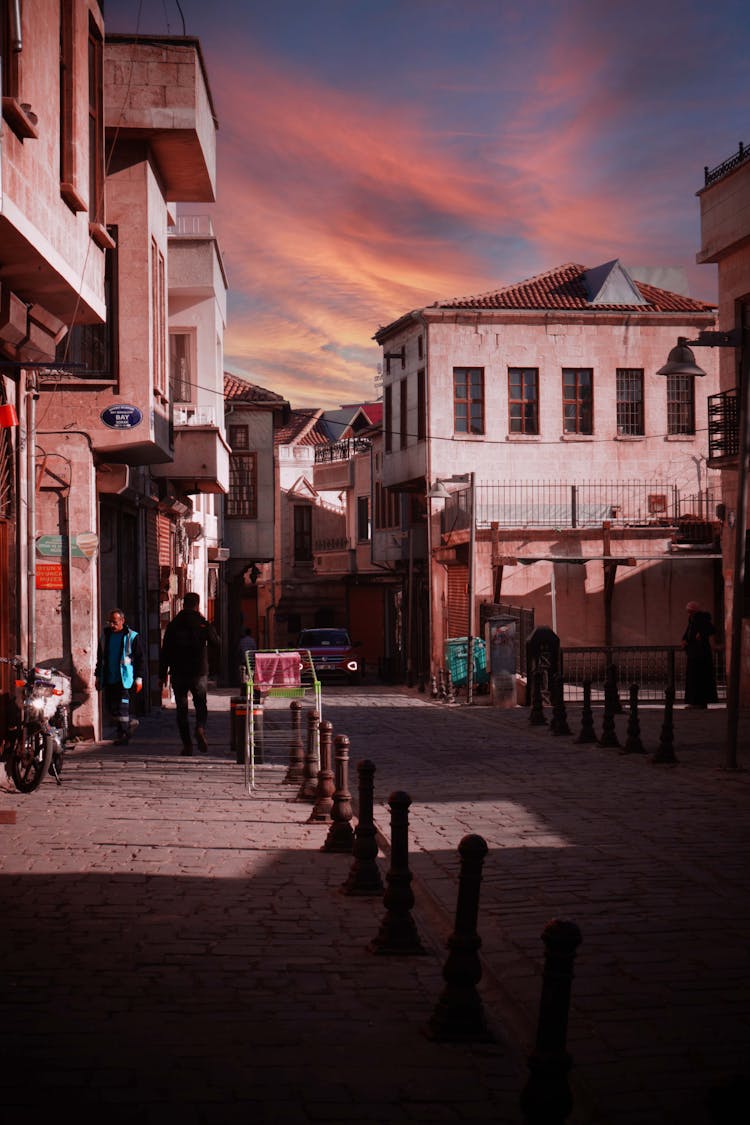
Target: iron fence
x=341 y=450
x=557 y=504
x=652 y=668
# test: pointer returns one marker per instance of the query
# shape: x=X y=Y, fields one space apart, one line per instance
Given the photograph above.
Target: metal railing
x=723 y=426
x=711 y=176
x=191 y=226
x=196 y=416
x=558 y=504
x=341 y=450
x=652 y=668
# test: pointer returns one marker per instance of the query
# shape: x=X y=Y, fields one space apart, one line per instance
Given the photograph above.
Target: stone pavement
x=175 y=949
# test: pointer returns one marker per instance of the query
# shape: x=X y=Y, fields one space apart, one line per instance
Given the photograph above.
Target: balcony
x=201 y=455
x=156 y=90
x=723 y=429
x=334 y=463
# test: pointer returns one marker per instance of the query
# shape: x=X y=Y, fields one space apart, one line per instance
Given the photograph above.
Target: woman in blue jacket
x=119 y=671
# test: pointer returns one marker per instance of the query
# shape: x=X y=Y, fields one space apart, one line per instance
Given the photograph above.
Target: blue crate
x=456 y=652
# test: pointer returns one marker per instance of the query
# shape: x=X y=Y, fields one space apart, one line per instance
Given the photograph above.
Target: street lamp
x=439 y=492
x=681 y=361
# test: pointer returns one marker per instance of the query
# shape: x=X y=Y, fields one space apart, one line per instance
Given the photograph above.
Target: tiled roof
x=240 y=390
x=565 y=288
x=300 y=428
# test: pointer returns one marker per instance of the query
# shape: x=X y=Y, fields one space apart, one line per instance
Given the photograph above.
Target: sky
x=374 y=157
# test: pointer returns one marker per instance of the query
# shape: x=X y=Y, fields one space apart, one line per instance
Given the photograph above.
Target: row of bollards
x=459 y=1014
x=558 y=724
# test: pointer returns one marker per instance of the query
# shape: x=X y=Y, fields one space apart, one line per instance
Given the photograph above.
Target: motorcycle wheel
x=31 y=759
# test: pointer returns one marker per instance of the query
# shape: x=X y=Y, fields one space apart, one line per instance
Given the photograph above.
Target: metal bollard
x=665 y=755
x=324 y=793
x=559 y=724
x=398 y=932
x=309 y=786
x=296 y=771
x=611 y=676
x=546 y=1098
x=449 y=693
x=340 y=836
x=459 y=1014
x=633 y=744
x=587 y=733
x=609 y=734
x=364 y=875
x=433 y=686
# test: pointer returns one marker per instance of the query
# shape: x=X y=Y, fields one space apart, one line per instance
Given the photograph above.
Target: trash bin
x=238 y=713
x=456 y=660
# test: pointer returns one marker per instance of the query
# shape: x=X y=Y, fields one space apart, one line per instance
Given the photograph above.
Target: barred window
x=523 y=400
x=680 y=404
x=578 y=400
x=468 y=400
x=242 y=498
x=630 y=401
x=302 y=533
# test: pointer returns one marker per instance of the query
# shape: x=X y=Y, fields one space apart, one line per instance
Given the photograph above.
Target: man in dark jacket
x=184 y=657
x=119 y=671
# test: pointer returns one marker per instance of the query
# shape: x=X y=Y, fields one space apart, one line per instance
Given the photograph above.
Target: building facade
x=543 y=400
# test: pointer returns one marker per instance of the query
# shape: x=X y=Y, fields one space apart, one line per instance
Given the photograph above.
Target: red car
x=333 y=653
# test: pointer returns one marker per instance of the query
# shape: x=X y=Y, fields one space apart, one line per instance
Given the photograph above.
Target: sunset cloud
x=376 y=157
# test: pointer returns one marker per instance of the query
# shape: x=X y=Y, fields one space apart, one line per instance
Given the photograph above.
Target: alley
x=177 y=948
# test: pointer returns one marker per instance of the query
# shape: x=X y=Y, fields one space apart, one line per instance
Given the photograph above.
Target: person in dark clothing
x=700 y=682
x=184 y=657
x=119 y=672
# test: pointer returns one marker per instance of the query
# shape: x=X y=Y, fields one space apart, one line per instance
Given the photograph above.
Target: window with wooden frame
x=96 y=124
x=680 y=404
x=578 y=400
x=303 y=533
x=363 y=519
x=403 y=435
x=388 y=418
x=468 y=400
x=421 y=405
x=630 y=419
x=523 y=400
x=181 y=366
x=158 y=318
x=242 y=498
x=16 y=112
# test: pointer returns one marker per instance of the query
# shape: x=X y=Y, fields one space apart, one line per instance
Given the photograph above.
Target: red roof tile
x=565 y=288
x=241 y=390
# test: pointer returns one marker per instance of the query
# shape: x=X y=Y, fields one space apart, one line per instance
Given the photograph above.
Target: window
x=363 y=519
x=578 y=400
x=680 y=404
x=421 y=406
x=242 y=498
x=96 y=125
x=10 y=55
x=402 y=417
x=158 y=317
x=180 y=376
x=468 y=400
x=94 y=346
x=630 y=401
x=388 y=411
x=523 y=400
x=302 y=533
x=387 y=506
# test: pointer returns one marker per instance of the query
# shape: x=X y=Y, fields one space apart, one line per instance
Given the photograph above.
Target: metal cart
x=271 y=675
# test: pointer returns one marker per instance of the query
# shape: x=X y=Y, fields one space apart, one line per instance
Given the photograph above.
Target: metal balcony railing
x=711 y=176
x=341 y=450
x=723 y=426
x=557 y=504
x=196 y=416
x=191 y=226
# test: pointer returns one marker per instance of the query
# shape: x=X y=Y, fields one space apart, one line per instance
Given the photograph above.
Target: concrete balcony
x=156 y=92
x=201 y=455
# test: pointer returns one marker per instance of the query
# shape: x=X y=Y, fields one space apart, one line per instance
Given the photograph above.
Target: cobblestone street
x=176 y=949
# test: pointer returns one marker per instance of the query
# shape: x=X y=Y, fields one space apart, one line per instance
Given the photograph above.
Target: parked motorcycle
x=38 y=724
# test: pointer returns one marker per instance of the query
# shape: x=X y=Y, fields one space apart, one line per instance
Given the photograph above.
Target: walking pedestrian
x=700 y=682
x=246 y=645
x=119 y=672
x=184 y=657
